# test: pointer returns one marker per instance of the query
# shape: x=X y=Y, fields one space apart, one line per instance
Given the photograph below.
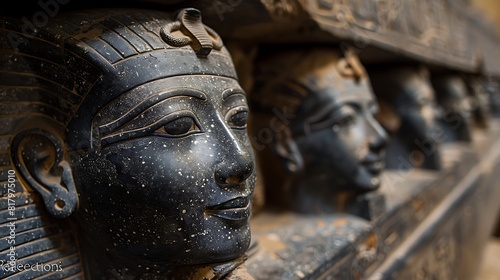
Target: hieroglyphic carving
x=344 y=14
x=438 y=26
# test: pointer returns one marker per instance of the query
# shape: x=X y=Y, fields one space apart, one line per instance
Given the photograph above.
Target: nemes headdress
x=91 y=57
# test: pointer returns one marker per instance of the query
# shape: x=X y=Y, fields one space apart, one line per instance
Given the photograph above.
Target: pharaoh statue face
x=157 y=150
x=407 y=92
x=452 y=97
x=329 y=144
x=480 y=106
x=173 y=175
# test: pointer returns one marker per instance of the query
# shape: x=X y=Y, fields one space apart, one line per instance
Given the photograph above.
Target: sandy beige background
x=491 y=9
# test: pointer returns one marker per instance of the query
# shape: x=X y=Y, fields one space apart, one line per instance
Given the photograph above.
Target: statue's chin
x=367 y=181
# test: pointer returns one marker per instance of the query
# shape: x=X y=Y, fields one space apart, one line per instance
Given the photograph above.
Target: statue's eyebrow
x=323 y=112
x=148 y=102
x=232 y=91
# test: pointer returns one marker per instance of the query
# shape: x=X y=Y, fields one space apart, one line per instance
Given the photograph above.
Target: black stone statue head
x=410 y=113
x=480 y=100
x=313 y=129
x=131 y=123
x=455 y=103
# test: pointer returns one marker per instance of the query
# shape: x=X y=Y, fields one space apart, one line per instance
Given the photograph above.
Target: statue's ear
x=287 y=150
x=39 y=157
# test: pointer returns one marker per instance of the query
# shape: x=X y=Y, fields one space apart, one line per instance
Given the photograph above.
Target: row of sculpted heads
x=324 y=127
x=423 y=110
x=133 y=123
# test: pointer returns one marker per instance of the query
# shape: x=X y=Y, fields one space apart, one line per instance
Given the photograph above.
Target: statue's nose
x=234 y=170
x=236 y=164
x=379 y=137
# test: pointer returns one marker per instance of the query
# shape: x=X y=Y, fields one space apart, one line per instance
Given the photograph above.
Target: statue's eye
x=346 y=116
x=179 y=127
x=237 y=118
x=346 y=120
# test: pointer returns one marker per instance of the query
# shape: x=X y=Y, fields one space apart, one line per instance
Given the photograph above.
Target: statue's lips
x=373 y=164
x=375 y=167
x=234 y=210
